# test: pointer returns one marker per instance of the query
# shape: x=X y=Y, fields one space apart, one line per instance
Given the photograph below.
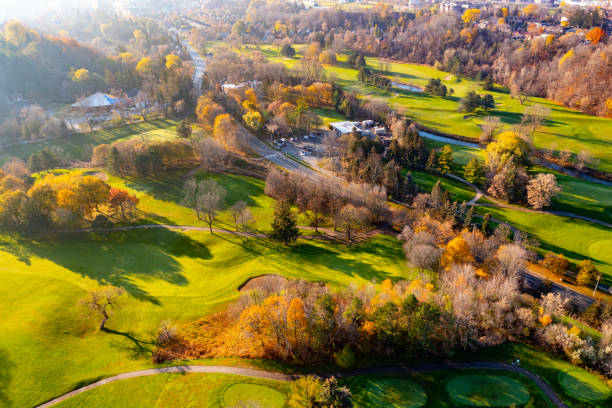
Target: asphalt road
x=200 y=67
x=278 y=158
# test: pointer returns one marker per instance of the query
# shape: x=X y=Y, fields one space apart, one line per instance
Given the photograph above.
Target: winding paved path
x=276 y=376
x=498 y=203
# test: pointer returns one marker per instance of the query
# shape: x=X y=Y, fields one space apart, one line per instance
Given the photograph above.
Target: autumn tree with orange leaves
x=119 y=199
x=596 y=35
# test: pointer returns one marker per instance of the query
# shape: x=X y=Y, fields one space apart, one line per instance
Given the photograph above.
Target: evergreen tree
x=431 y=161
x=445 y=160
x=488 y=102
x=486 y=221
x=472 y=170
x=284 y=226
x=184 y=129
x=470 y=102
x=436 y=194
x=113 y=162
x=467 y=220
x=488 y=85
x=287 y=51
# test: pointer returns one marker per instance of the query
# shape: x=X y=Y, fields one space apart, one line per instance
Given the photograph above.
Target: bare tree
x=512 y=259
x=584 y=159
x=535 y=115
x=102 y=302
x=211 y=153
x=541 y=189
x=421 y=249
x=352 y=218
x=237 y=209
x=245 y=219
x=210 y=199
x=190 y=196
x=490 y=126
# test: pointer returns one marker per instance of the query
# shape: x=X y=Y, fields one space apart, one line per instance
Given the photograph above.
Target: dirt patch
x=449 y=77
x=265 y=283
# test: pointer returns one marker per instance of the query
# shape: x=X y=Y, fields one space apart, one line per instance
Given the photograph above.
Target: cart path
x=498 y=203
x=276 y=376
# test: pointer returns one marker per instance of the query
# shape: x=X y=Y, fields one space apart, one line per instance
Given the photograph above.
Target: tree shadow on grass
x=138 y=348
x=170 y=187
x=6 y=376
x=117 y=258
x=310 y=257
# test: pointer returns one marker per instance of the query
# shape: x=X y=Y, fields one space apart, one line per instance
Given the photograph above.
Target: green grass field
x=47 y=347
x=566 y=128
x=577 y=196
x=184 y=390
x=453 y=388
x=575 y=386
x=576 y=239
x=486 y=390
x=79 y=146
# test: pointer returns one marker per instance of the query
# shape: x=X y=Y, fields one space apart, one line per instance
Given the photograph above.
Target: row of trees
x=534 y=65
x=144 y=158
x=350 y=207
x=64 y=201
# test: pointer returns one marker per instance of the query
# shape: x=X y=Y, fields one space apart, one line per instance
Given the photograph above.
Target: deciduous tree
x=541 y=189
x=103 y=302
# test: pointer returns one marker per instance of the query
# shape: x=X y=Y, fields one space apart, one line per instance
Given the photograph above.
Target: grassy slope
x=548 y=368
x=178 y=390
x=576 y=239
x=375 y=392
x=566 y=128
x=577 y=196
x=46 y=348
x=77 y=146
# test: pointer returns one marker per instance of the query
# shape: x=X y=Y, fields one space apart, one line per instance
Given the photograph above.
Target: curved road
x=271 y=375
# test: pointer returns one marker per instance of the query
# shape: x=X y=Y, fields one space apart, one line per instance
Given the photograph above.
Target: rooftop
x=345 y=127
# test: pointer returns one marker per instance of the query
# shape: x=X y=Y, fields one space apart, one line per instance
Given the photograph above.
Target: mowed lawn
x=47 y=347
x=79 y=146
x=185 y=391
x=577 y=196
x=576 y=239
x=566 y=129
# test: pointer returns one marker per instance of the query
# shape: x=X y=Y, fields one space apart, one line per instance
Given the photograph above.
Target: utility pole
x=596 y=284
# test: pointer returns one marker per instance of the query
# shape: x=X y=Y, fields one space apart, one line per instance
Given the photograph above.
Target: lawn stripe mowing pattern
x=487 y=391
x=77 y=146
x=396 y=369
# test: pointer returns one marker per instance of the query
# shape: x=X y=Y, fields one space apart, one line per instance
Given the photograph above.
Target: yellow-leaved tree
x=80 y=75
x=456 y=252
x=470 y=15
x=172 y=61
x=144 y=66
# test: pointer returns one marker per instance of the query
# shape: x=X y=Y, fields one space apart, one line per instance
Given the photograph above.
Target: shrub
x=345 y=358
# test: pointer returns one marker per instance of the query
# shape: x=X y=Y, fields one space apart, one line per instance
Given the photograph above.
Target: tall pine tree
x=284 y=226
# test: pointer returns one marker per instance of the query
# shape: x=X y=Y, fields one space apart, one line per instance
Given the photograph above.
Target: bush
x=345 y=358
x=101 y=222
x=287 y=51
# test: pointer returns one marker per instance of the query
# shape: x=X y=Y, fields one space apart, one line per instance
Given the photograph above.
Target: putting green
x=392 y=392
x=601 y=249
x=246 y=395
x=487 y=391
x=584 y=386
